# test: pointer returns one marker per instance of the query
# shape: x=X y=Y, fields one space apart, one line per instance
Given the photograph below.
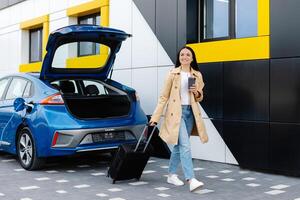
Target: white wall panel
x=144 y=41
x=3 y=51
x=24 y=37
x=58 y=15
x=76 y=2
x=14 y=51
x=27 y=6
x=123 y=58
x=144 y=80
x=229 y=158
x=41 y=7
x=10 y=52
x=122 y=76
x=122 y=20
x=120 y=15
x=214 y=150
x=56 y=24
x=4 y=18
x=162 y=56
x=15 y=14
x=57 y=5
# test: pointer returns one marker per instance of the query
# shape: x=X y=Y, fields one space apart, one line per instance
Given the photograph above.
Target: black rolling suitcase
x=130 y=159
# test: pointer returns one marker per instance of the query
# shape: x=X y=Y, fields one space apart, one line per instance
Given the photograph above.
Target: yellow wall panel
x=263 y=17
x=232 y=50
x=94 y=61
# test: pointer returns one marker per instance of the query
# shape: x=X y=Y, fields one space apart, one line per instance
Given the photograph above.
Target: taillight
x=55 y=99
x=55 y=137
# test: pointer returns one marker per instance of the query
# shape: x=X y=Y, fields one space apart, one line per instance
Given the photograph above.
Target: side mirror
x=19 y=104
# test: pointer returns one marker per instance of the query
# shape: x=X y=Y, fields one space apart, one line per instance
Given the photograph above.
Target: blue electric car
x=72 y=105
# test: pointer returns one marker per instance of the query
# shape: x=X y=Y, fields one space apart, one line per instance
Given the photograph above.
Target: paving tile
x=82 y=186
x=42 y=179
x=228 y=179
x=203 y=191
x=212 y=176
x=115 y=189
x=253 y=184
x=249 y=178
x=138 y=183
x=279 y=187
x=101 y=195
x=275 y=192
x=62 y=181
x=225 y=171
x=8 y=160
x=98 y=174
x=51 y=171
x=163 y=195
x=164 y=166
x=19 y=170
x=33 y=187
x=198 y=169
x=162 y=188
x=83 y=166
x=148 y=171
x=61 y=191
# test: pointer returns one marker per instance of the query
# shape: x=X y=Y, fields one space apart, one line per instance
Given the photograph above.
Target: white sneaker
x=173 y=179
x=194 y=184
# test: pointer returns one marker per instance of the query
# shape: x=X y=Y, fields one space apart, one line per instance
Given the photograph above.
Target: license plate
x=100 y=137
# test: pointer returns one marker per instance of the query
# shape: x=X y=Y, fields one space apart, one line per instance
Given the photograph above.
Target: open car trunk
x=93 y=99
x=104 y=106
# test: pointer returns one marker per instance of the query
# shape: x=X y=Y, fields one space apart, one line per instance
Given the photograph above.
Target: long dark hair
x=194 y=64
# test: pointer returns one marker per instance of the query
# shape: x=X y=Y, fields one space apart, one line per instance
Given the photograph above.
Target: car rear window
x=80 y=55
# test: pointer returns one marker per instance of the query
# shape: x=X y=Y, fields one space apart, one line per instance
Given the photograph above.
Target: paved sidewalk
x=84 y=178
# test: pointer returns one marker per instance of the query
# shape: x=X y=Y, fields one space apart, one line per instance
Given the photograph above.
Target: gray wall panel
x=3 y=3
x=7 y=3
x=166 y=25
x=147 y=8
x=182 y=23
x=285 y=28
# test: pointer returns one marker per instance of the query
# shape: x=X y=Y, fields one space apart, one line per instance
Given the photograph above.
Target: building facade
x=247 y=51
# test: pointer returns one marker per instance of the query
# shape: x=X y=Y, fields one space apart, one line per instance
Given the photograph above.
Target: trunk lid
x=107 y=38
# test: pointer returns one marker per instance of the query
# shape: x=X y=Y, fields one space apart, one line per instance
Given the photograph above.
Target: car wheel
x=26 y=151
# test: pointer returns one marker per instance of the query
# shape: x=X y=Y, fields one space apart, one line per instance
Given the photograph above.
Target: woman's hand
x=152 y=123
x=193 y=89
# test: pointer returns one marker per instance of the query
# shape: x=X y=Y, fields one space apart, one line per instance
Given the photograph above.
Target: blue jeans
x=182 y=151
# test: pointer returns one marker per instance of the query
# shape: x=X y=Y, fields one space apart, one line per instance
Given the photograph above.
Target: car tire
x=26 y=151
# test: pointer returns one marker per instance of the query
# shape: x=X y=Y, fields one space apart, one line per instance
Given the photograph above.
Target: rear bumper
x=68 y=142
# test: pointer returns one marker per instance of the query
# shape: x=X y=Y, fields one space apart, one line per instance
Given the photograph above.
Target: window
x=3 y=83
x=246 y=18
x=216 y=18
x=35 y=47
x=89 y=48
x=228 y=19
x=16 y=88
x=27 y=91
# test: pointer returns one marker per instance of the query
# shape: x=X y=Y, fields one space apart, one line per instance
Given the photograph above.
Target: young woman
x=182 y=116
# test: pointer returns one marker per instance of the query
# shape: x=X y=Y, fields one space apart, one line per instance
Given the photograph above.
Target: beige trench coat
x=170 y=97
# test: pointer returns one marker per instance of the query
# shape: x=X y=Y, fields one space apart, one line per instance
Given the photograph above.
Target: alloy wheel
x=25 y=149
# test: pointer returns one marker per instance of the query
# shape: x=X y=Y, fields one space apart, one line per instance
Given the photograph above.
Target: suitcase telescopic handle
x=142 y=135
